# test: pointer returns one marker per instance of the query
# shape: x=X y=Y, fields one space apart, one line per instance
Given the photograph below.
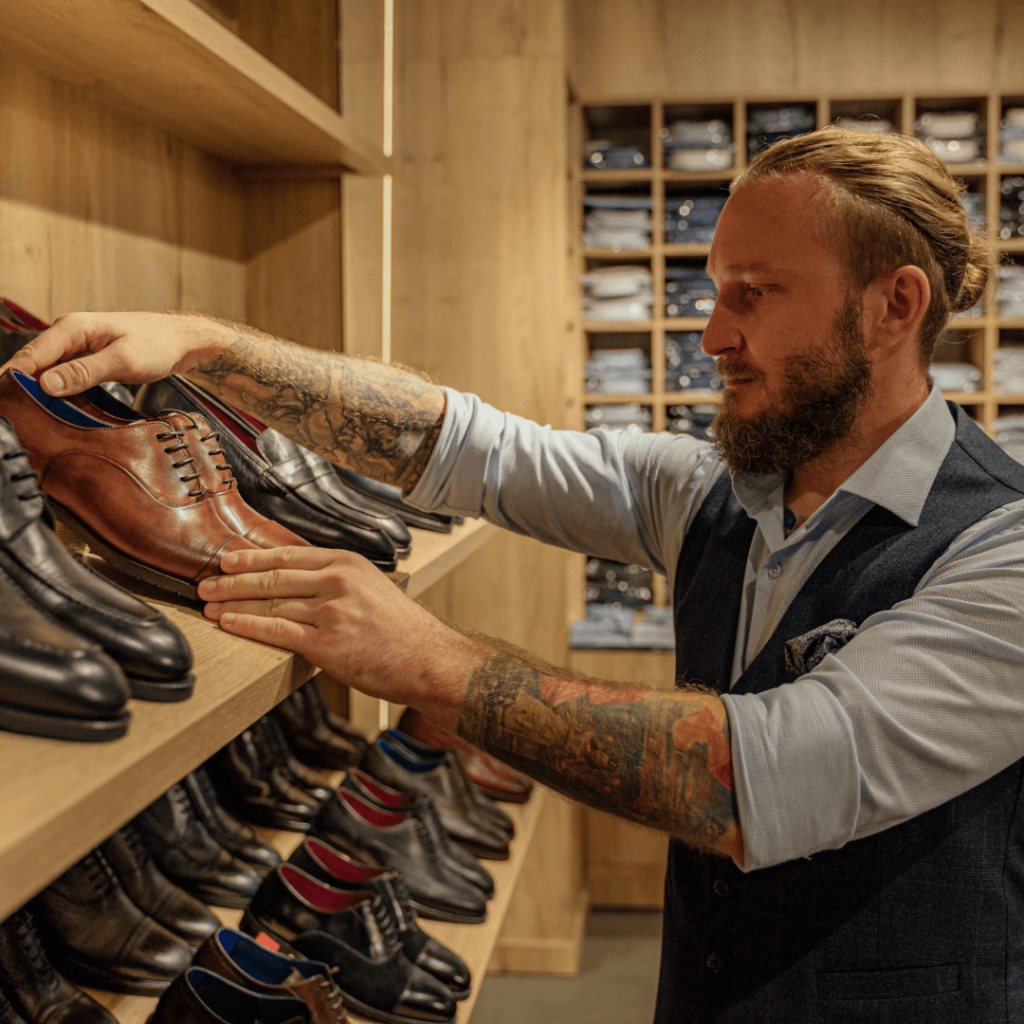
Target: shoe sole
x=439 y=914
x=92 y=976
x=162 y=691
x=183 y=588
x=57 y=727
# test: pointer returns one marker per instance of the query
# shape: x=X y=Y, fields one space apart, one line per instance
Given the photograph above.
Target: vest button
x=715 y=963
x=720 y=888
x=775 y=570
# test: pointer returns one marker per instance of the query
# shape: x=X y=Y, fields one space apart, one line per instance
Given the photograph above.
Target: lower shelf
x=474 y=943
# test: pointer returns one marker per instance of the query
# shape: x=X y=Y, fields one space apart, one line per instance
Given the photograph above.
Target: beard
x=813 y=414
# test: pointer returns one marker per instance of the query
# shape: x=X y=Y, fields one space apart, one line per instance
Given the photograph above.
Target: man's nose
x=720 y=335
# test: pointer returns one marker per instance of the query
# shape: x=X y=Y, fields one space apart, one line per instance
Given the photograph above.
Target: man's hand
x=82 y=349
x=342 y=614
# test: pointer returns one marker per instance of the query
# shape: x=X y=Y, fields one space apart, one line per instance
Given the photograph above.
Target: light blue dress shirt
x=926 y=701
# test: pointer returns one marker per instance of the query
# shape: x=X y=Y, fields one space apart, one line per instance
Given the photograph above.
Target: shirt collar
x=898 y=476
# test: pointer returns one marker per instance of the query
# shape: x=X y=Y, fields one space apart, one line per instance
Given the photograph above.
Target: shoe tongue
x=294 y=978
x=177 y=419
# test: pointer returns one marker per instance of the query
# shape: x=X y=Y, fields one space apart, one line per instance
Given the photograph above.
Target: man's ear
x=902 y=298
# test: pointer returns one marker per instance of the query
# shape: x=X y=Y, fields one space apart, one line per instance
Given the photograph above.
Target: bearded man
x=840 y=764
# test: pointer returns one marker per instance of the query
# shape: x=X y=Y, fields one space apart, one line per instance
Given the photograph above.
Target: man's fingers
x=65 y=338
x=293 y=609
x=292 y=636
x=262 y=559
x=259 y=586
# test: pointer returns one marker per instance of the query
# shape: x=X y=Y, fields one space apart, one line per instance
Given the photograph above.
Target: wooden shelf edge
x=175 y=65
x=434 y=555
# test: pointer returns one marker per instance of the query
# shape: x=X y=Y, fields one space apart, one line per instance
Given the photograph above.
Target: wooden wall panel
x=662 y=48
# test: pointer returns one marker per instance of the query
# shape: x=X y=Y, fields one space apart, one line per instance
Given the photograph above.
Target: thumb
x=79 y=375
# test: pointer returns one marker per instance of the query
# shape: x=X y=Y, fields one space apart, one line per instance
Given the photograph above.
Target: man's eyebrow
x=738 y=269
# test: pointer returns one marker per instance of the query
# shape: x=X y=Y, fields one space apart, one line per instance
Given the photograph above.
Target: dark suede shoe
x=317 y=786
x=200 y=997
x=42 y=994
x=349 y=931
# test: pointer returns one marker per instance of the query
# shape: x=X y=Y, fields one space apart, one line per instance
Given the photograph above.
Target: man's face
x=785 y=331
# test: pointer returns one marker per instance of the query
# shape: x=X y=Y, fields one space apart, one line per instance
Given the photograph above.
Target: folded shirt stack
x=617 y=221
x=1010 y=291
x=694 y=420
x=654 y=629
x=687 y=368
x=955 y=136
x=621 y=371
x=1011 y=207
x=692 y=219
x=616 y=583
x=1008 y=432
x=617 y=293
x=692 y=145
x=1011 y=136
x=956 y=376
x=974 y=204
x=602 y=155
x=1008 y=374
x=869 y=124
x=768 y=125
x=606 y=625
x=630 y=416
x=688 y=292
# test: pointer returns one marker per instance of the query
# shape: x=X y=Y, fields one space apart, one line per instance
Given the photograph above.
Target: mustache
x=726 y=368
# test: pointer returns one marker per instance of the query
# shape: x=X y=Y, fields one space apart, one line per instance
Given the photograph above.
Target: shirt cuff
x=796 y=772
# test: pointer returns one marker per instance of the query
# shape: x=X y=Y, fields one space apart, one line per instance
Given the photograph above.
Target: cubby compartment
x=768 y=123
x=694 y=419
x=875 y=115
x=1009 y=290
x=1011 y=207
x=1011 y=130
x=957 y=367
x=617 y=138
x=634 y=417
x=692 y=210
x=617 y=290
x=953 y=128
x=974 y=202
x=698 y=138
x=687 y=368
x=1008 y=430
x=689 y=292
x=618 y=363
x=619 y=219
x=1008 y=363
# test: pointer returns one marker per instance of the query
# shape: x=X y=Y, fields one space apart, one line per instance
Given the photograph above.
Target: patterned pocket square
x=806 y=652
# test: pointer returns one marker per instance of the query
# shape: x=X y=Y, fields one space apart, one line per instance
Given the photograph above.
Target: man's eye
x=756 y=290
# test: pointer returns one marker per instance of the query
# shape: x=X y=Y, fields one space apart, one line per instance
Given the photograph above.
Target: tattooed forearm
x=660 y=759
x=378 y=420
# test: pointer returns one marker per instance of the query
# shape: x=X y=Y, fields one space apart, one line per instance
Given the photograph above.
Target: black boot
x=43 y=996
x=309 y=781
x=309 y=735
x=334 y=722
x=181 y=914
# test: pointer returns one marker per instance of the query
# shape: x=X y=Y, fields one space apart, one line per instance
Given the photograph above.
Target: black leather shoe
x=43 y=996
x=309 y=734
x=275 y=742
x=201 y=997
x=189 y=856
x=388 y=498
x=251 y=787
x=272 y=475
x=99 y=938
x=385 y=798
x=153 y=654
x=349 y=931
x=335 y=722
x=321 y=861
x=459 y=815
x=181 y=914
x=401 y=841
x=235 y=836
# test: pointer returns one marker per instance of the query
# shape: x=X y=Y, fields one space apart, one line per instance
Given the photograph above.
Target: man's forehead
x=746 y=268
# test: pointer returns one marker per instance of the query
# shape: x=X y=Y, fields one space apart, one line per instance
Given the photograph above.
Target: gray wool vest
x=920 y=924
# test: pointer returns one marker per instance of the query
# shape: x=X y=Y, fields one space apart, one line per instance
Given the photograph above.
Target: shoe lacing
x=136 y=844
x=18 y=474
x=425 y=837
x=332 y=994
x=400 y=897
x=28 y=942
x=97 y=874
x=169 y=435
x=223 y=467
x=385 y=923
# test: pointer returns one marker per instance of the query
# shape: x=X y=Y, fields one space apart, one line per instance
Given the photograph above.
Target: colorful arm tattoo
x=375 y=419
x=659 y=759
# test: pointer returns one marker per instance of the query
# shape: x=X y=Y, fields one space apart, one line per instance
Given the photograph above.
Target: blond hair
x=890 y=203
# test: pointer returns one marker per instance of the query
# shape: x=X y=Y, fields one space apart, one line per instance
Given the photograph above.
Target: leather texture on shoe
x=272 y=475
x=152 y=652
x=353 y=504
x=190 y=857
x=42 y=994
x=126 y=490
x=349 y=931
x=385 y=798
x=459 y=816
x=322 y=862
x=99 y=938
x=401 y=841
x=255 y=789
x=388 y=498
x=317 y=786
x=235 y=836
x=152 y=892
x=335 y=722
x=487 y=773
x=198 y=996
x=54 y=682
x=238 y=958
x=309 y=735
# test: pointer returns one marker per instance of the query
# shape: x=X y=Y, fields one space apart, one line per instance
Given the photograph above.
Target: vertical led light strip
x=385 y=319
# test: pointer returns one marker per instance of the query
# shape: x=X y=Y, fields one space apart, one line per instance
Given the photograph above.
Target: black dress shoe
x=334 y=722
x=459 y=815
x=43 y=996
x=235 y=836
x=311 y=782
x=272 y=475
x=309 y=735
x=401 y=841
x=385 y=798
x=253 y=788
x=388 y=498
x=349 y=931
x=153 y=654
x=99 y=938
x=154 y=894
x=198 y=996
x=321 y=861
x=190 y=857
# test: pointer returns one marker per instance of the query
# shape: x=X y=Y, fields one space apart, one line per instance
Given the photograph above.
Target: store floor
x=617 y=981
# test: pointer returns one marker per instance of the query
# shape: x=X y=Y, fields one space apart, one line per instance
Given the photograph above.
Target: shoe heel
x=251 y=927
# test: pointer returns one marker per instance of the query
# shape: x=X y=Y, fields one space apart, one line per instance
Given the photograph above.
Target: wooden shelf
x=618 y=175
x=436 y=554
x=592 y=252
x=174 y=65
x=474 y=943
x=687 y=249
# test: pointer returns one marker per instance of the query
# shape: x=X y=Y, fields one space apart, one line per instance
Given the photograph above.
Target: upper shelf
x=177 y=67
